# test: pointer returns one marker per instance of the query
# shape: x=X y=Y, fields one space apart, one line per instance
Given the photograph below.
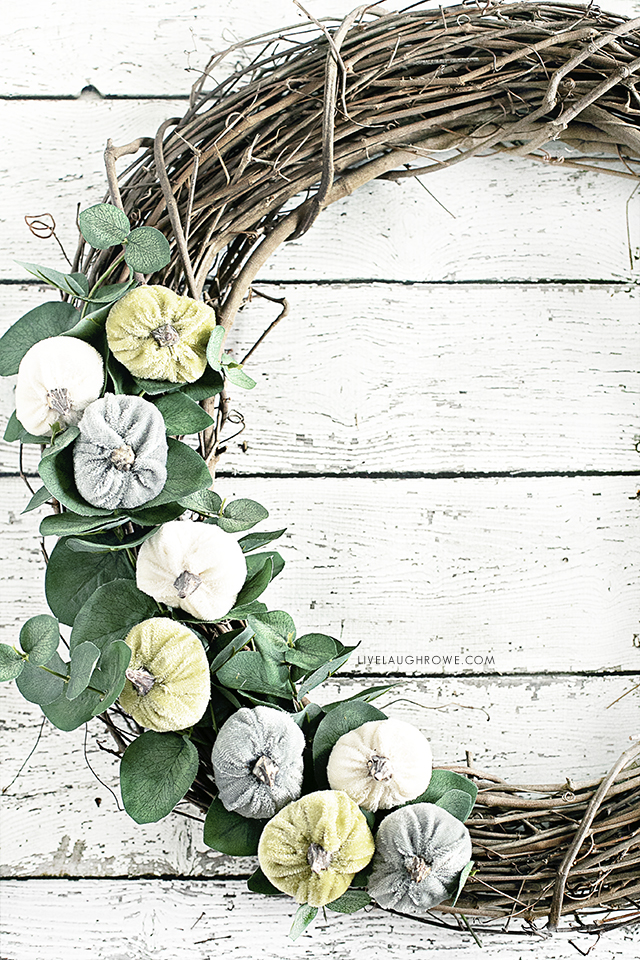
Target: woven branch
x=320 y=110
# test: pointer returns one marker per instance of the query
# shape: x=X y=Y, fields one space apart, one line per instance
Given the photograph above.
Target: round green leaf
x=186 y=473
x=350 y=901
x=47 y=320
x=182 y=415
x=228 y=832
x=147 y=250
x=156 y=771
x=41 y=686
x=109 y=675
x=70 y=582
x=56 y=471
x=303 y=917
x=39 y=638
x=341 y=720
x=83 y=660
x=456 y=802
x=111 y=611
x=104 y=225
x=11 y=663
x=214 y=346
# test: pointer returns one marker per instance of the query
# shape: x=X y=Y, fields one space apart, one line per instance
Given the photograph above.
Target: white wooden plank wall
x=447 y=424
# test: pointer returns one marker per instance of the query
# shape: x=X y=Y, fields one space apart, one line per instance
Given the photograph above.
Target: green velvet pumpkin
x=159 y=335
x=314 y=847
x=120 y=457
x=167 y=684
x=257 y=761
x=421 y=850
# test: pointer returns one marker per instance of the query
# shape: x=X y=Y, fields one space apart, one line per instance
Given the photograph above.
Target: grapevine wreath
x=122 y=384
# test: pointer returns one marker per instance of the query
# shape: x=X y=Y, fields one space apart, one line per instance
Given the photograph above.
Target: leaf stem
x=61 y=676
x=101 y=280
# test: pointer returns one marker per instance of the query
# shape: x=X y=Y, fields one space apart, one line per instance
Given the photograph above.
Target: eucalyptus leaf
x=237 y=376
x=83 y=659
x=236 y=644
x=210 y=384
x=456 y=802
x=47 y=320
x=349 y=716
x=147 y=250
x=253 y=541
x=156 y=771
x=242 y=515
x=462 y=879
x=304 y=916
x=108 y=542
x=370 y=693
x=280 y=621
x=39 y=638
x=70 y=714
x=204 y=501
x=11 y=663
x=256 y=561
x=227 y=832
x=155 y=516
x=113 y=291
x=61 y=441
x=322 y=673
x=182 y=415
x=63 y=281
x=186 y=473
x=214 y=346
x=15 y=431
x=37 y=500
x=68 y=523
x=111 y=611
x=445 y=781
x=258 y=883
x=249 y=670
x=104 y=225
x=256 y=584
x=153 y=387
x=69 y=584
x=109 y=675
x=350 y=902
x=43 y=686
x=56 y=471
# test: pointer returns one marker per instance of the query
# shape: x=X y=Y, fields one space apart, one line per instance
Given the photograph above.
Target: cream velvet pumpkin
x=381 y=764
x=195 y=566
x=58 y=377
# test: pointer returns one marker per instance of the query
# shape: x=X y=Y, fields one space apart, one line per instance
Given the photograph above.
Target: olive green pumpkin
x=381 y=764
x=421 y=850
x=314 y=847
x=158 y=335
x=167 y=684
x=120 y=457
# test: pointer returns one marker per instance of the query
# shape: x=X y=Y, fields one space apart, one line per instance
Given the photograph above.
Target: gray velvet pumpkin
x=120 y=457
x=257 y=761
x=421 y=850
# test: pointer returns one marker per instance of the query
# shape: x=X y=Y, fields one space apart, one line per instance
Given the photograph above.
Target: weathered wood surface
x=530 y=575
x=538 y=572
x=69 y=823
x=507 y=218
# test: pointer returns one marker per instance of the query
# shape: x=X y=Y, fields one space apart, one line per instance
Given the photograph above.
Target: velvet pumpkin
x=257 y=761
x=421 y=850
x=57 y=378
x=167 y=684
x=120 y=457
x=195 y=566
x=381 y=764
x=159 y=335
x=315 y=846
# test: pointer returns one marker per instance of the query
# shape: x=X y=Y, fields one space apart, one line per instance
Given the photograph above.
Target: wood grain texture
x=69 y=824
x=200 y=920
x=532 y=575
x=507 y=218
x=385 y=378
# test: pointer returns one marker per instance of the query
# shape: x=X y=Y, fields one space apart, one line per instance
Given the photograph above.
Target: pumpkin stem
x=379 y=768
x=140 y=679
x=123 y=458
x=59 y=400
x=318 y=858
x=186 y=584
x=166 y=335
x=265 y=770
x=418 y=869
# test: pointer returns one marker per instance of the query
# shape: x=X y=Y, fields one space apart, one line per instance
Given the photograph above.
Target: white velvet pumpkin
x=120 y=457
x=58 y=377
x=168 y=684
x=381 y=764
x=421 y=850
x=257 y=761
x=195 y=566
